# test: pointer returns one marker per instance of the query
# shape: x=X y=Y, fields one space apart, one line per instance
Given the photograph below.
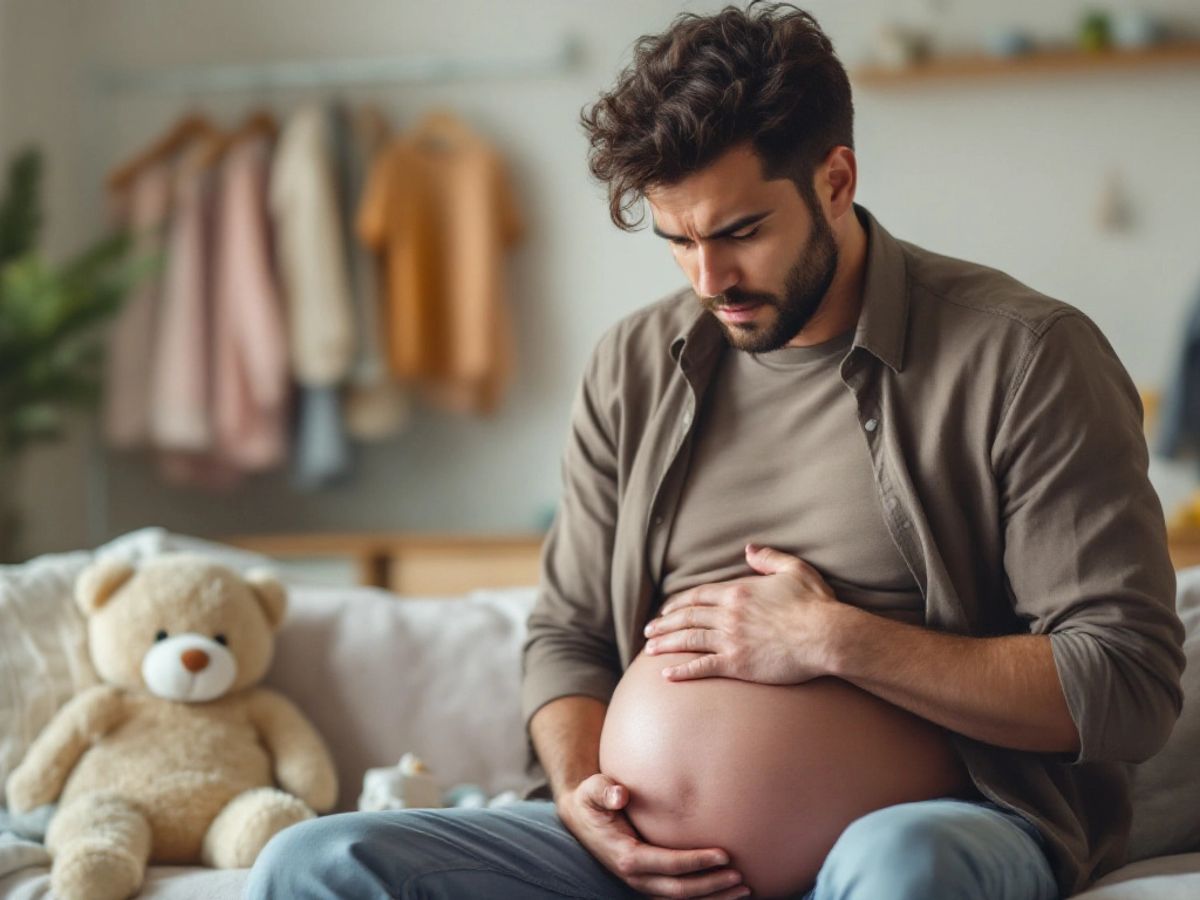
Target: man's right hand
x=593 y=812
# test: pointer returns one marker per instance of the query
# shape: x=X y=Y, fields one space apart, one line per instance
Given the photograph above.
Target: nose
x=194 y=660
x=715 y=272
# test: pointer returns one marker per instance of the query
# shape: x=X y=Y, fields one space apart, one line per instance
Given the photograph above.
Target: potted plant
x=50 y=352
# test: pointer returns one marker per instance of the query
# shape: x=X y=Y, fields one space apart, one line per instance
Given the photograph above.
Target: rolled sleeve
x=570 y=647
x=1085 y=542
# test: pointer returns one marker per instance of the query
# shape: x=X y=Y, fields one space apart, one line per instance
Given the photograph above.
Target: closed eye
x=684 y=242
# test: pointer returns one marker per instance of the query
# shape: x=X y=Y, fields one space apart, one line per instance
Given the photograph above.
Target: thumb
x=767 y=560
x=609 y=794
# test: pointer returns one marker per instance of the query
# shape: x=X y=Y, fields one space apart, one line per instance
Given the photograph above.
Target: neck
x=839 y=310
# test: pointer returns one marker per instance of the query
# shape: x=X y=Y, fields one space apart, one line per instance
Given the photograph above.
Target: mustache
x=739 y=298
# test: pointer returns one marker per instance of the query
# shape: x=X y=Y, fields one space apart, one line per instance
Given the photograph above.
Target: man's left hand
x=771 y=628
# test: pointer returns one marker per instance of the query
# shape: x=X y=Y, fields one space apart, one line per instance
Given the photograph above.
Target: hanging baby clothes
x=312 y=266
x=375 y=405
x=180 y=397
x=439 y=207
x=143 y=209
x=251 y=377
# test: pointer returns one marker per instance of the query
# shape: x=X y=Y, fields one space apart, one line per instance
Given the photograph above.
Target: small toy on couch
x=177 y=756
x=410 y=785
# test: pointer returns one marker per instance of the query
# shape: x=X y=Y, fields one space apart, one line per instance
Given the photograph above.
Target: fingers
x=710 y=665
x=723 y=883
x=691 y=640
x=702 y=595
x=684 y=617
x=731 y=894
x=659 y=871
x=648 y=861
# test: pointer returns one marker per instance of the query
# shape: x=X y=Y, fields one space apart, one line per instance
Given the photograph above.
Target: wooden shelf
x=418 y=563
x=1043 y=62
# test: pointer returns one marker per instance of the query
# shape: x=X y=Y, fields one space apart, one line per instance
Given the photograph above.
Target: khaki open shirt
x=1007 y=446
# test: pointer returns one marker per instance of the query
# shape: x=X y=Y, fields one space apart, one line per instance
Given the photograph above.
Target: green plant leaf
x=51 y=354
x=20 y=218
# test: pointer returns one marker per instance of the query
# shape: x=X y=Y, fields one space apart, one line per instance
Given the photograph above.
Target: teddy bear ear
x=99 y=581
x=270 y=593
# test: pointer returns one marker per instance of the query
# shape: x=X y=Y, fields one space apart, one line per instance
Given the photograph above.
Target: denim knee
x=912 y=851
x=297 y=859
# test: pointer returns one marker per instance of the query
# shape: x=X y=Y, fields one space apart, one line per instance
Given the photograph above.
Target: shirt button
x=687 y=418
x=658 y=520
x=891 y=502
x=870 y=424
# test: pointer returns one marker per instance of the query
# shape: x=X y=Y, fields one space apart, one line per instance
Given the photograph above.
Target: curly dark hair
x=766 y=74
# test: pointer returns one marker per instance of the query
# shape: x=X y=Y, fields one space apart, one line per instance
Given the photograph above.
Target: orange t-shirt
x=439 y=207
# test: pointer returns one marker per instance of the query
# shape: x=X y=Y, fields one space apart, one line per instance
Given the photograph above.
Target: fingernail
x=610 y=796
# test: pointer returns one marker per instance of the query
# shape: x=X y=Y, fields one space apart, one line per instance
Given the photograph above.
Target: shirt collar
x=882 y=322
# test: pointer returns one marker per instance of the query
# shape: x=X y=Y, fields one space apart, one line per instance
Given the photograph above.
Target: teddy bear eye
x=160 y=635
x=220 y=639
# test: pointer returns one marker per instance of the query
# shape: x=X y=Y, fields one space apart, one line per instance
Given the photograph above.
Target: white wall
x=1005 y=172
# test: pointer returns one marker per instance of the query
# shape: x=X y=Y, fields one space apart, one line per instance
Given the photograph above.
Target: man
x=1002 y=493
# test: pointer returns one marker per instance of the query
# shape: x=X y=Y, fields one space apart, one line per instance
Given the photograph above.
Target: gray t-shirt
x=779 y=459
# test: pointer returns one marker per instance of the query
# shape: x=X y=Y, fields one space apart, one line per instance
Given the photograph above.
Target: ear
x=270 y=593
x=99 y=581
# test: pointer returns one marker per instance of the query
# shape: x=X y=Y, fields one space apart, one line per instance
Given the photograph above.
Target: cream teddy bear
x=177 y=756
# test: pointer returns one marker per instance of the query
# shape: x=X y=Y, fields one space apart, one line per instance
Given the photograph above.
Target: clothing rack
x=335 y=73
x=190 y=81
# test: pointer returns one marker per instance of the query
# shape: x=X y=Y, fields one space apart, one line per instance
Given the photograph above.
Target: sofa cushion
x=43 y=651
x=1161 y=878
x=381 y=675
x=1166 y=787
x=162 y=883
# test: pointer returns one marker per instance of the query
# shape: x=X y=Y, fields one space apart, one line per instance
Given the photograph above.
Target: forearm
x=566 y=736
x=1003 y=690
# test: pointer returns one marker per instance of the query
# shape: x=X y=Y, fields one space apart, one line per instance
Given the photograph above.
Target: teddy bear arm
x=302 y=762
x=40 y=777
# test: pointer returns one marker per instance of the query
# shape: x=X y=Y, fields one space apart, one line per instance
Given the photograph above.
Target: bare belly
x=772 y=774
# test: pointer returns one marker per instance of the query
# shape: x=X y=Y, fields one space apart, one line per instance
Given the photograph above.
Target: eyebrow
x=729 y=229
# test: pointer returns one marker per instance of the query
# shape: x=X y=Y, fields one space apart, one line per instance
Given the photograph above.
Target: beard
x=803 y=290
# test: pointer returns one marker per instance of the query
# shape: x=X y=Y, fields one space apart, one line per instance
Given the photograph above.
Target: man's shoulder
x=972 y=292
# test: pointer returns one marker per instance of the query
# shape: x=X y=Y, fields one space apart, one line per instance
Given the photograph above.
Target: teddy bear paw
x=245 y=826
x=25 y=790
x=95 y=870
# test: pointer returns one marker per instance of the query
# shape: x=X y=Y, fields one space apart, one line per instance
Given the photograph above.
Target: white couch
x=381 y=675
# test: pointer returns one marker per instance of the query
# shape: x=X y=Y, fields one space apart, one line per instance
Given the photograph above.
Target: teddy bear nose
x=194 y=660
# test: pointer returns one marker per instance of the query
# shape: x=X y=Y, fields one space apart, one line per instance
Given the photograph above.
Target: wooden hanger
x=258 y=123
x=187 y=129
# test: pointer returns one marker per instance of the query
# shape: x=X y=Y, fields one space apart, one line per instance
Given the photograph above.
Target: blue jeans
x=945 y=848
